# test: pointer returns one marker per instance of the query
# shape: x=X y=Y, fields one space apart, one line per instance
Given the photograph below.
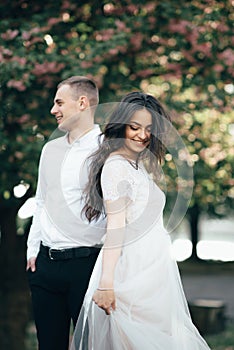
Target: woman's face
x=137 y=133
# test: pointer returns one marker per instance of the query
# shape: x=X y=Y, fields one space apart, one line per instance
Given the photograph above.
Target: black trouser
x=58 y=288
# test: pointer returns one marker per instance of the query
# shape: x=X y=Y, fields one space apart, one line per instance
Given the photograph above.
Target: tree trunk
x=14 y=292
x=194 y=215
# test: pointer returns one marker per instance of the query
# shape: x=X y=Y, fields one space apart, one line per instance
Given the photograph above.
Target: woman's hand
x=105 y=299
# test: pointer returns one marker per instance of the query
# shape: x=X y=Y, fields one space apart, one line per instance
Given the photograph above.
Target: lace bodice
x=121 y=179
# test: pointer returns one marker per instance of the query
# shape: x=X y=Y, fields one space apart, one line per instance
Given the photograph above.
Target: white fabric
x=63 y=173
x=151 y=309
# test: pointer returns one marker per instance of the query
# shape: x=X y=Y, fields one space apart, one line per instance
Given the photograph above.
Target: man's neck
x=76 y=134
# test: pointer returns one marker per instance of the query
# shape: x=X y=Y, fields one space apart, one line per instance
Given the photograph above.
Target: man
x=62 y=246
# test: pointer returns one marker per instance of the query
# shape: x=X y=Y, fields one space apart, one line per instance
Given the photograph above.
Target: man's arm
x=34 y=237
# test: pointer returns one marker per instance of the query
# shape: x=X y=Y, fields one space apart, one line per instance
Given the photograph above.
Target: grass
x=223 y=340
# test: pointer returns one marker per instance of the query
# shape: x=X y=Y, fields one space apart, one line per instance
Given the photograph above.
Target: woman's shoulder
x=118 y=179
x=117 y=156
x=116 y=161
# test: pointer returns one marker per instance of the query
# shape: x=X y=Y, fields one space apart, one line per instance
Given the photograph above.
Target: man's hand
x=31 y=264
x=105 y=300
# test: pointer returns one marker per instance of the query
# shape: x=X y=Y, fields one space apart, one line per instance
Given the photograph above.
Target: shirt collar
x=87 y=138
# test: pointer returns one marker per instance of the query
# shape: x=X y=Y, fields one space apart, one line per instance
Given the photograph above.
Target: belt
x=70 y=253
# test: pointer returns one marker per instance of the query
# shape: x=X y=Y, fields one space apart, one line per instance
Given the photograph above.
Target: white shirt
x=63 y=174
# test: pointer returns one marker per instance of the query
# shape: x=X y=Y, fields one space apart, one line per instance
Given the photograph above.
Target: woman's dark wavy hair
x=114 y=135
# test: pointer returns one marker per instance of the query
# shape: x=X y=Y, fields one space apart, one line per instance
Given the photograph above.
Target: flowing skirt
x=151 y=308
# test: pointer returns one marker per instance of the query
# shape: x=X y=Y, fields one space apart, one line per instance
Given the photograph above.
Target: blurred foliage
x=181 y=52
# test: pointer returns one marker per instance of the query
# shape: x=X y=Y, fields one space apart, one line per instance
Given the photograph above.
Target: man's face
x=66 y=108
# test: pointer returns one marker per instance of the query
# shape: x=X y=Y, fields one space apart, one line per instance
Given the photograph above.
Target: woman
x=135 y=299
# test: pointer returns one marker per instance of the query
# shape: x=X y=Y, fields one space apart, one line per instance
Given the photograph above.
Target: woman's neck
x=132 y=156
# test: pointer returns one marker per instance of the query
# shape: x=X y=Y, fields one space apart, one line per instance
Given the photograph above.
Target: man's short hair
x=82 y=85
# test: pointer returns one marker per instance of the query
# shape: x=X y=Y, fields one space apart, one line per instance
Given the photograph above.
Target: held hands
x=105 y=299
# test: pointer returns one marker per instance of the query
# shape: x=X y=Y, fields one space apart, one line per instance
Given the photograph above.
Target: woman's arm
x=104 y=296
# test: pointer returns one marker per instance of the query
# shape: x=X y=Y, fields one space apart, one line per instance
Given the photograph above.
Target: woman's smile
x=137 y=134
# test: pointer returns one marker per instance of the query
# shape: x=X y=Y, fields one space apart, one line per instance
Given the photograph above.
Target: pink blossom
x=209 y=9
x=24 y=118
x=136 y=40
x=222 y=27
x=46 y=80
x=33 y=41
x=50 y=48
x=173 y=70
x=145 y=73
x=97 y=59
x=147 y=55
x=107 y=34
x=192 y=36
x=202 y=29
x=132 y=8
x=17 y=84
x=53 y=21
x=204 y=48
x=188 y=56
x=122 y=48
x=35 y=30
x=66 y=4
x=21 y=60
x=179 y=26
x=212 y=155
x=26 y=76
x=121 y=26
x=172 y=74
x=227 y=56
x=111 y=9
x=19 y=155
x=9 y=34
x=231 y=71
x=150 y=7
x=97 y=78
x=26 y=35
x=218 y=68
x=7 y=52
x=86 y=64
x=98 y=37
x=47 y=67
x=176 y=67
x=114 y=51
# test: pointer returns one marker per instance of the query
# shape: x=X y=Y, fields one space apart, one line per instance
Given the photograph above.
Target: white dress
x=151 y=309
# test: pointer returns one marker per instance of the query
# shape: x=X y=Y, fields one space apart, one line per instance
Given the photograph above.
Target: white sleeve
x=34 y=237
x=117 y=180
